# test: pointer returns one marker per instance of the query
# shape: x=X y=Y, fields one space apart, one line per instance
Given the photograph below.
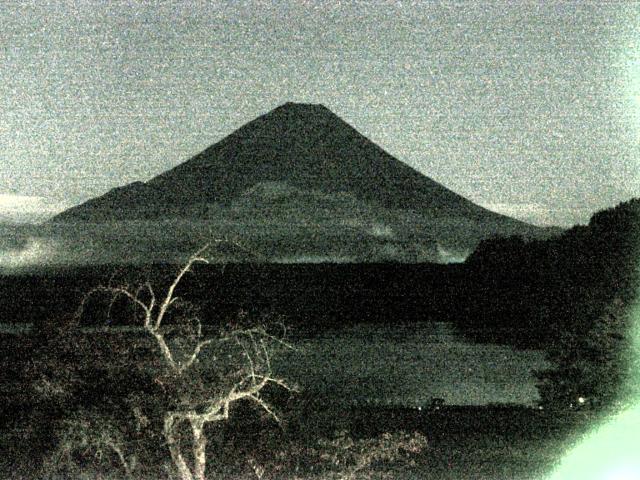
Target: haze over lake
x=401 y=366
x=408 y=366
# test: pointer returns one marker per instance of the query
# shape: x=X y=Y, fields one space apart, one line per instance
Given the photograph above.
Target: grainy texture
x=530 y=108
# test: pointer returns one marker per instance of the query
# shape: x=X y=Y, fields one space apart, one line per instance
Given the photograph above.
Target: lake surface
x=408 y=365
x=396 y=365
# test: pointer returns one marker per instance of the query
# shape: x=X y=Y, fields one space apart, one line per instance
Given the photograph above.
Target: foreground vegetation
x=570 y=296
x=90 y=428
x=145 y=402
x=316 y=440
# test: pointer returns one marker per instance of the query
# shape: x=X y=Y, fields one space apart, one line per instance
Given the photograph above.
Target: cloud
x=540 y=214
x=34 y=251
x=446 y=255
x=26 y=208
x=314 y=259
x=380 y=230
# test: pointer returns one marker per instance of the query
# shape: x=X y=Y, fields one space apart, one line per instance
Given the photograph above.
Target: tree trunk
x=174 y=449
x=199 y=450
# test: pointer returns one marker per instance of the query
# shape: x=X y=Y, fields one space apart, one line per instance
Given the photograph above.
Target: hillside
x=301 y=181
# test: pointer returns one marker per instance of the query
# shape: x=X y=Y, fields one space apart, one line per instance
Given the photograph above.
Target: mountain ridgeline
x=305 y=146
x=300 y=181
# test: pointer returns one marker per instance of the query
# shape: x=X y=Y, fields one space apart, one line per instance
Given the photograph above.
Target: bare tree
x=238 y=358
x=355 y=459
x=91 y=433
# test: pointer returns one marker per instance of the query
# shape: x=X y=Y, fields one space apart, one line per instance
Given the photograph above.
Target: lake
x=400 y=365
x=408 y=365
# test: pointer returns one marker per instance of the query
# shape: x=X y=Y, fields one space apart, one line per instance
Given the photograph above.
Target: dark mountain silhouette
x=295 y=162
x=306 y=146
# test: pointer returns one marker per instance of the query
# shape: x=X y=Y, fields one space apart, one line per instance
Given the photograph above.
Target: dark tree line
x=569 y=295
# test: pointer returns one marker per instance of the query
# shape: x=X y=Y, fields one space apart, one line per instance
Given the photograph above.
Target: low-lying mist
x=172 y=241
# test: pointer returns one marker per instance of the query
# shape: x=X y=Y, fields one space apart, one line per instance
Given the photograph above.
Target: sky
x=528 y=108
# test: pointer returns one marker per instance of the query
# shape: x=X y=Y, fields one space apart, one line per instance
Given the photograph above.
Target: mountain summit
x=301 y=157
x=304 y=145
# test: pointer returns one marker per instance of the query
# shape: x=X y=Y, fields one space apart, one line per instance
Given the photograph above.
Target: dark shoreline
x=305 y=295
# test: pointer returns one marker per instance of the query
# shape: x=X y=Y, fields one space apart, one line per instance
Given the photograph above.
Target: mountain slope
x=305 y=146
x=295 y=183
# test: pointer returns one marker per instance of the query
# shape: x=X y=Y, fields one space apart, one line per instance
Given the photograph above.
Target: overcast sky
x=530 y=108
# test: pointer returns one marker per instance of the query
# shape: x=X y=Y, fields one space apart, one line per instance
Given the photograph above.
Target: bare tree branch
x=194 y=355
x=169 y=297
x=253 y=374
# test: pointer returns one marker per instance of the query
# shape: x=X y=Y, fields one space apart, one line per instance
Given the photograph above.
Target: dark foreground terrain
x=462 y=443
x=309 y=296
x=571 y=296
x=490 y=442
